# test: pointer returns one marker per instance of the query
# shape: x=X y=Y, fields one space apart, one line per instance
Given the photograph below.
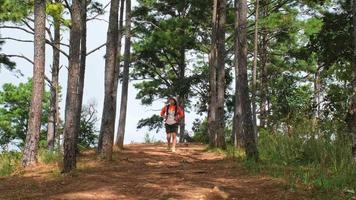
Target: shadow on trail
x=150 y=172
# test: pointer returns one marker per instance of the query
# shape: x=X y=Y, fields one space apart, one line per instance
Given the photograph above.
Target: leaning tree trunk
x=212 y=79
x=109 y=108
x=254 y=70
x=352 y=110
x=247 y=124
x=52 y=118
x=34 y=125
x=71 y=109
x=125 y=79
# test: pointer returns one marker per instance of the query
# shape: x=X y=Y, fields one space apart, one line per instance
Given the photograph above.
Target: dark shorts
x=171 y=128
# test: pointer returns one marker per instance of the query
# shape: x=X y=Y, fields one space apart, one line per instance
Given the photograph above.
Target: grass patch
x=322 y=166
x=9 y=162
x=230 y=152
x=49 y=156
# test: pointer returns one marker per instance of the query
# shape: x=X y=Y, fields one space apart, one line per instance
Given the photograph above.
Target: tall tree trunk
x=352 y=110
x=52 y=118
x=32 y=137
x=237 y=131
x=109 y=109
x=73 y=85
x=247 y=124
x=125 y=79
x=212 y=78
x=83 y=56
x=317 y=100
x=183 y=94
x=217 y=76
x=254 y=71
x=263 y=62
x=118 y=64
x=220 y=114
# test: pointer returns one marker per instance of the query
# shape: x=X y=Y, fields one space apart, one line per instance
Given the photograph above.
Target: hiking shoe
x=173 y=150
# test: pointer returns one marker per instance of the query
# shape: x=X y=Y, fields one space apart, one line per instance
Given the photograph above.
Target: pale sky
x=94 y=77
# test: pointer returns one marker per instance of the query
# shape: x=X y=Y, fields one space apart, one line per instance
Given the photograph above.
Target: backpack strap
x=167 y=109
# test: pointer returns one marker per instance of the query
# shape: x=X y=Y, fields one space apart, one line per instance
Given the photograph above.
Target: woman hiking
x=172 y=113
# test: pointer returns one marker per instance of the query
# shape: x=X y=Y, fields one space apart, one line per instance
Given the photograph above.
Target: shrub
x=9 y=161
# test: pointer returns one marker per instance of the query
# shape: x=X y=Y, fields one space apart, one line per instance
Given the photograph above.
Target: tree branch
x=30 y=61
x=97 y=15
x=162 y=78
x=16 y=27
x=68 y=6
x=28 y=25
x=31 y=41
x=96 y=49
x=15 y=39
x=20 y=56
x=147 y=22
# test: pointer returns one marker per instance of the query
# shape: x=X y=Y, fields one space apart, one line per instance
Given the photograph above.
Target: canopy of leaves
x=15 y=10
x=14 y=112
x=88 y=135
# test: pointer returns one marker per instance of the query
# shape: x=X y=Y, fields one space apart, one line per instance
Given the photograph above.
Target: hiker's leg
x=174 y=135
x=169 y=140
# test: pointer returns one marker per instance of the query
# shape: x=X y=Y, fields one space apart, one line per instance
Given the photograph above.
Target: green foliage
x=151 y=140
x=88 y=135
x=154 y=122
x=167 y=34
x=14 y=111
x=15 y=10
x=291 y=102
x=55 y=10
x=9 y=161
x=5 y=61
x=325 y=164
x=49 y=156
x=200 y=130
x=332 y=43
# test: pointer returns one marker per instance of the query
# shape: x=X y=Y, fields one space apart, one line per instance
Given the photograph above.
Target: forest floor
x=149 y=171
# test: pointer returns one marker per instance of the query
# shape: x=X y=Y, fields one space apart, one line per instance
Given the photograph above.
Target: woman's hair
x=175 y=101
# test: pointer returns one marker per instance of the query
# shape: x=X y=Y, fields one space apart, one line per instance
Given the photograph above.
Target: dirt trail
x=148 y=172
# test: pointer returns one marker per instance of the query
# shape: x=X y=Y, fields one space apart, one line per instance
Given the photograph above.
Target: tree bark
x=52 y=118
x=247 y=124
x=254 y=70
x=182 y=97
x=212 y=78
x=109 y=109
x=83 y=56
x=117 y=69
x=220 y=114
x=352 y=109
x=237 y=131
x=73 y=84
x=217 y=76
x=125 y=79
x=263 y=62
x=317 y=100
x=32 y=137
